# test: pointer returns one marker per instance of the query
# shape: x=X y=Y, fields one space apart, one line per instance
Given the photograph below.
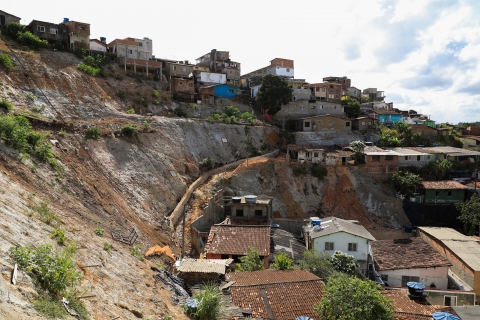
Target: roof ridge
x=272 y=283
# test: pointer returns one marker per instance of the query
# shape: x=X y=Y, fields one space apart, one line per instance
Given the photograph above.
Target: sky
x=425 y=54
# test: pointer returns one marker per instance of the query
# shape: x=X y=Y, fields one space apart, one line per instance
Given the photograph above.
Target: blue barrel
x=415 y=288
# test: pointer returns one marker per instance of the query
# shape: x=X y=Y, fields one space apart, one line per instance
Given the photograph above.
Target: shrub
x=59 y=235
x=122 y=95
x=6 y=62
x=119 y=77
x=62 y=133
x=246 y=116
x=252 y=149
x=131 y=111
x=155 y=94
x=282 y=262
x=88 y=69
x=130 y=130
x=107 y=247
x=80 y=53
x=318 y=171
x=210 y=119
x=300 y=170
x=232 y=111
x=29 y=39
x=99 y=232
x=156 y=102
x=144 y=102
x=36 y=109
x=207 y=163
x=14 y=28
x=180 y=112
x=44 y=213
x=209 y=306
x=77 y=305
x=146 y=126
x=4 y=103
x=136 y=251
x=93 y=133
x=31 y=97
x=54 y=270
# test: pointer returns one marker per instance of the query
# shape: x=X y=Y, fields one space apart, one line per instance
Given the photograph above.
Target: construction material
x=14 y=274
x=157 y=250
x=122 y=236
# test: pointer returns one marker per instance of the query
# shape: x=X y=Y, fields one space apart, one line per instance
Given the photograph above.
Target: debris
x=90 y=266
x=161 y=250
x=90 y=296
x=14 y=274
x=119 y=235
x=173 y=173
x=65 y=304
x=55 y=143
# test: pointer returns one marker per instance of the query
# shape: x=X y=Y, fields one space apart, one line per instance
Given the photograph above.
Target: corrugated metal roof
x=332 y=225
x=466 y=248
x=409 y=152
x=454 y=151
x=204 y=265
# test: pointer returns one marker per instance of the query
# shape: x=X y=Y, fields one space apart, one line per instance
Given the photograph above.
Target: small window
x=388 y=158
x=406 y=157
x=383 y=276
x=363 y=123
x=130 y=51
x=450 y=301
x=375 y=158
x=428 y=157
x=331 y=86
x=174 y=67
x=334 y=107
x=307 y=124
x=347 y=124
x=406 y=279
x=352 y=247
x=288 y=69
x=317 y=89
x=418 y=158
x=315 y=154
x=308 y=154
x=329 y=246
x=437 y=193
x=449 y=193
x=40 y=28
x=258 y=213
x=225 y=256
x=239 y=213
x=53 y=31
x=230 y=91
x=140 y=44
x=184 y=69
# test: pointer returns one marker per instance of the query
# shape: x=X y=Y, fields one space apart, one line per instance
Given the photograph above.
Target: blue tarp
x=415 y=285
x=444 y=316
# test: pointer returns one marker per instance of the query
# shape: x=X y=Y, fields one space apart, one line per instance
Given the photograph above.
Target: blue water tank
x=316 y=222
x=103 y=39
x=415 y=288
x=66 y=19
x=444 y=316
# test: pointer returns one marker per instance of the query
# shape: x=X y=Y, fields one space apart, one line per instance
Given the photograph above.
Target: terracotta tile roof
x=275 y=294
x=373 y=149
x=410 y=308
x=406 y=254
x=340 y=153
x=235 y=239
x=442 y=185
x=123 y=41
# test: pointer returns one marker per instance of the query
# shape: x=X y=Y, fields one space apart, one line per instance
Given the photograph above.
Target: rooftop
x=443 y=185
x=300 y=147
x=451 y=151
x=408 y=308
x=204 y=265
x=332 y=225
x=276 y=294
x=409 y=152
x=465 y=248
x=339 y=153
x=10 y=14
x=467 y=312
x=235 y=239
x=284 y=241
x=123 y=41
x=325 y=115
x=406 y=254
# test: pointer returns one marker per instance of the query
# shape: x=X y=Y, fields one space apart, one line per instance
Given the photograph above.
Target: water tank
x=415 y=289
x=236 y=199
x=214 y=50
x=103 y=39
x=146 y=38
x=444 y=316
x=251 y=199
x=315 y=221
x=66 y=19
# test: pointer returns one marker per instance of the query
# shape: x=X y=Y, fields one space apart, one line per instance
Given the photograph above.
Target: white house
x=211 y=77
x=97 y=45
x=334 y=234
x=402 y=260
x=132 y=48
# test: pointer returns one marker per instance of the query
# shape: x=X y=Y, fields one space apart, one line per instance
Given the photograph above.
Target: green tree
x=318 y=263
x=274 y=93
x=358 y=147
x=345 y=263
x=251 y=262
x=283 y=262
x=209 y=300
x=437 y=168
x=412 y=111
x=470 y=214
x=351 y=106
x=350 y=298
x=406 y=182
x=365 y=98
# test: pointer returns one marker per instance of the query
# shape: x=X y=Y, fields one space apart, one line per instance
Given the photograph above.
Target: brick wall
x=382 y=166
x=424 y=129
x=474 y=131
x=278 y=62
x=182 y=85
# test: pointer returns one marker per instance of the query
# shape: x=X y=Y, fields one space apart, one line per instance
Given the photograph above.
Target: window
x=406 y=157
x=174 y=67
x=53 y=31
x=130 y=51
x=317 y=89
x=331 y=86
x=428 y=157
x=437 y=194
x=230 y=91
x=347 y=124
x=307 y=124
x=239 y=213
x=334 y=107
x=258 y=213
x=363 y=123
x=184 y=69
x=40 y=28
x=388 y=158
x=308 y=154
x=375 y=158
x=315 y=154
x=418 y=158
x=225 y=256
x=450 y=301
x=406 y=279
x=288 y=69
x=352 y=247
x=383 y=276
x=140 y=44
x=449 y=193
x=329 y=246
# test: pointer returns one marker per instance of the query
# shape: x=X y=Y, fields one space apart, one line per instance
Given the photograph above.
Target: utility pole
x=183 y=236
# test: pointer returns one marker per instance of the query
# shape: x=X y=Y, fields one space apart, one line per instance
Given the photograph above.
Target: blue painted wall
x=392 y=118
x=224 y=91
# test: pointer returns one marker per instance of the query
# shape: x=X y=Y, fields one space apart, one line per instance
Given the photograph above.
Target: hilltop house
x=227 y=241
x=250 y=210
x=276 y=294
x=332 y=92
x=334 y=234
x=220 y=62
x=207 y=94
x=7 y=18
x=52 y=32
x=402 y=260
x=363 y=124
x=412 y=157
x=374 y=94
x=98 y=45
x=380 y=161
x=78 y=34
x=135 y=54
x=302 y=153
x=444 y=191
x=322 y=123
x=387 y=118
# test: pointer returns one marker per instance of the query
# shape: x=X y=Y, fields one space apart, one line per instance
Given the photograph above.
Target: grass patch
x=44 y=213
x=130 y=130
x=50 y=307
x=180 y=112
x=4 y=103
x=137 y=252
x=318 y=171
x=107 y=247
x=131 y=111
x=59 y=235
x=300 y=170
x=88 y=69
x=99 y=232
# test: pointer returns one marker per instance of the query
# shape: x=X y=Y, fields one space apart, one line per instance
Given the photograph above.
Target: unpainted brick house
x=6 y=18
